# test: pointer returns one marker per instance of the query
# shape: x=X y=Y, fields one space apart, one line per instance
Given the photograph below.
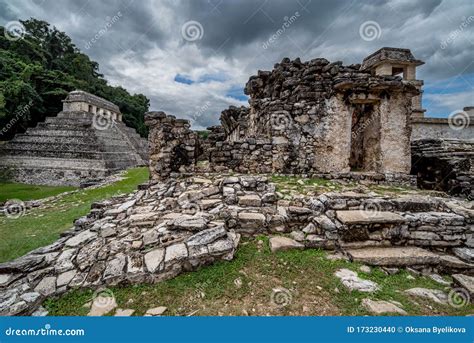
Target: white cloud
x=144 y=50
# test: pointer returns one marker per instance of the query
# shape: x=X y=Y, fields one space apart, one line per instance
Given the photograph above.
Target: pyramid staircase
x=69 y=150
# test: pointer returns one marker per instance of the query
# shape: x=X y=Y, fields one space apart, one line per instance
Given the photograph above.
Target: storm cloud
x=192 y=58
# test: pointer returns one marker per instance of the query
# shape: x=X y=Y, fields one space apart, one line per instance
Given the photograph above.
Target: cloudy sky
x=193 y=57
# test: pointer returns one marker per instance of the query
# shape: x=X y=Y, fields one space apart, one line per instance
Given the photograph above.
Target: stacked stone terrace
x=85 y=142
x=166 y=228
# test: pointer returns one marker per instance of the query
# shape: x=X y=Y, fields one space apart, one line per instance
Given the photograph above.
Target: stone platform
x=178 y=225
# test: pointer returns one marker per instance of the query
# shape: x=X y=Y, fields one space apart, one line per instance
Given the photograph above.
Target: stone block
x=394 y=256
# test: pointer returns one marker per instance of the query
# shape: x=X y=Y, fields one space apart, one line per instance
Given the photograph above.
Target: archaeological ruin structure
x=315 y=118
x=84 y=143
x=312 y=119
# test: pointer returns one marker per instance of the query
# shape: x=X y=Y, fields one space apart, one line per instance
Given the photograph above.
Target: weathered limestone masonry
x=173 y=146
x=460 y=127
x=445 y=165
x=177 y=225
x=320 y=117
x=85 y=142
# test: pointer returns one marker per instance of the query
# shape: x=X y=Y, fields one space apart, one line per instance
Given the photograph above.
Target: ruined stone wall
x=445 y=165
x=395 y=134
x=439 y=128
x=246 y=156
x=173 y=146
x=321 y=117
x=304 y=118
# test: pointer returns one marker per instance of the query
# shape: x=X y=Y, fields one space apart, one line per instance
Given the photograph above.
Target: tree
x=39 y=70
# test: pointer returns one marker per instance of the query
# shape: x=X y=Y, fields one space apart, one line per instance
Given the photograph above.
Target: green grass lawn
x=42 y=226
x=29 y=192
x=245 y=285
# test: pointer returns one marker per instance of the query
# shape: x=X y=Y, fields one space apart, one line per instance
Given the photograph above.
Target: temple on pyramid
x=83 y=144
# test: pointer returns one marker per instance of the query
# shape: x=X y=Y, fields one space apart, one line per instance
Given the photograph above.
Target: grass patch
x=286 y=184
x=42 y=226
x=30 y=192
x=247 y=285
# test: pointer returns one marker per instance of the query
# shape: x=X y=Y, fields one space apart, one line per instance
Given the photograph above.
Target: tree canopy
x=40 y=69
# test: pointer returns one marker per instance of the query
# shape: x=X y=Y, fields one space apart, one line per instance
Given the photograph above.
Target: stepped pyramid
x=85 y=142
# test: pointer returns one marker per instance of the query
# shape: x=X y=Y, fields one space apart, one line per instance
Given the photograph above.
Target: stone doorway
x=180 y=157
x=365 y=139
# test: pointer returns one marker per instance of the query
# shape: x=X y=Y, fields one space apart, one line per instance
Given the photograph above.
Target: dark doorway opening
x=365 y=139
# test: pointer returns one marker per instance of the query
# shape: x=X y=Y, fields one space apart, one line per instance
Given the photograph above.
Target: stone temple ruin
x=84 y=143
x=321 y=119
x=314 y=118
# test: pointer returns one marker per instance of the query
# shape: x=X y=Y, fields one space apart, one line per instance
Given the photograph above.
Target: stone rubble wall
x=247 y=156
x=304 y=117
x=445 y=164
x=306 y=110
x=427 y=222
x=169 y=227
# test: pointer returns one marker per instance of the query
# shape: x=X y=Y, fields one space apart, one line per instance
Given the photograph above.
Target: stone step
x=450 y=264
x=52 y=163
x=57 y=176
x=38 y=153
x=466 y=282
x=394 y=256
x=353 y=217
x=68 y=121
x=72 y=139
x=66 y=146
x=76 y=132
x=64 y=136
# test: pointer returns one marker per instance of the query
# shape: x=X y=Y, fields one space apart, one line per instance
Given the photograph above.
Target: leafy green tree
x=39 y=70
